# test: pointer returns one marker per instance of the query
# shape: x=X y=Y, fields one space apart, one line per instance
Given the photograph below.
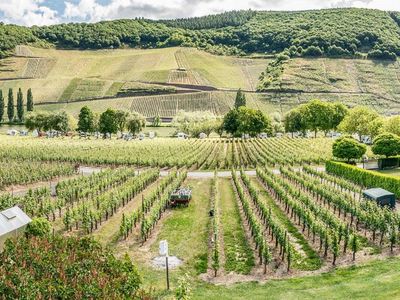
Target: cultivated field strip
x=160 y=152
x=88 y=215
x=24 y=171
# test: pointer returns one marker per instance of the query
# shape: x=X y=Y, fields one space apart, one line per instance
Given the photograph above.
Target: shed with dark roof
x=381 y=196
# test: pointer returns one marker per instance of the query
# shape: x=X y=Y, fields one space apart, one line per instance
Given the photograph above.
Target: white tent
x=12 y=223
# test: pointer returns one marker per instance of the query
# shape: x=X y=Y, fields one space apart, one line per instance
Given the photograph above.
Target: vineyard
x=198 y=154
x=261 y=208
x=125 y=79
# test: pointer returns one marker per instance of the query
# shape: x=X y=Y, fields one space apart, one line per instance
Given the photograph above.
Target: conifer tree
x=10 y=105
x=20 y=105
x=1 y=106
x=240 y=99
x=29 y=100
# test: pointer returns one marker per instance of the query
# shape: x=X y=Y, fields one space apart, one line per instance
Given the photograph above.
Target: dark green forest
x=349 y=32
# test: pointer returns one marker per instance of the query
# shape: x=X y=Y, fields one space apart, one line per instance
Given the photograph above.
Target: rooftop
x=377 y=192
x=12 y=219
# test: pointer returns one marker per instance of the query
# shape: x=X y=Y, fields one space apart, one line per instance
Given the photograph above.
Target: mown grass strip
x=239 y=256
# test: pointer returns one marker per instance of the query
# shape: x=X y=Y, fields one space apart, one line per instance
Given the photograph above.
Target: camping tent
x=12 y=223
x=381 y=196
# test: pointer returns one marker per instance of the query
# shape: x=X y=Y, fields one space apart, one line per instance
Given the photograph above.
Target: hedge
x=369 y=179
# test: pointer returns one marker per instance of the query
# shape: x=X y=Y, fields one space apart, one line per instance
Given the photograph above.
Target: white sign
x=163 y=248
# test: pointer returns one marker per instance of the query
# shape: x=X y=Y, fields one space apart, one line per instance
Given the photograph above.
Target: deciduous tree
x=135 y=123
x=392 y=125
x=358 y=121
x=348 y=148
x=86 y=120
x=294 y=122
x=387 y=144
x=107 y=122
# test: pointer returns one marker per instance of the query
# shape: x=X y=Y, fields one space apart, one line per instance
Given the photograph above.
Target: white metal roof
x=12 y=219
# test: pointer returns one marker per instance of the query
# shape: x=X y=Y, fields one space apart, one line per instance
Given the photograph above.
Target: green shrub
x=363 y=177
x=38 y=227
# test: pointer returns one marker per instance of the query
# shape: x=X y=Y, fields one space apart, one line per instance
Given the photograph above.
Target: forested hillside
x=334 y=33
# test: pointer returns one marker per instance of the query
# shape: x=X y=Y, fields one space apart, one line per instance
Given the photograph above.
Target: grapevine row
x=257 y=233
x=154 y=214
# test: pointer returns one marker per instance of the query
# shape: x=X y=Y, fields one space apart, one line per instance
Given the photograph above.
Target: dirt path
x=210 y=174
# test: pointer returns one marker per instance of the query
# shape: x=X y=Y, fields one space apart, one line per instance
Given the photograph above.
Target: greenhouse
x=12 y=223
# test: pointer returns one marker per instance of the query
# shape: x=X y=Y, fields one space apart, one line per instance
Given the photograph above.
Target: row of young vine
x=89 y=214
x=368 y=213
x=215 y=256
x=274 y=229
x=129 y=221
x=316 y=220
x=154 y=214
x=256 y=228
x=84 y=187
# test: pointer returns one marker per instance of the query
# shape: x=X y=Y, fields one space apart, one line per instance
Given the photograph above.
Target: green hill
x=332 y=32
x=164 y=81
x=67 y=63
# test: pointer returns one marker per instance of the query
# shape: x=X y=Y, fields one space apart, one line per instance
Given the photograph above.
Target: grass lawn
x=376 y=280
x=239 y=256
x=393 y=172
x=186 y=230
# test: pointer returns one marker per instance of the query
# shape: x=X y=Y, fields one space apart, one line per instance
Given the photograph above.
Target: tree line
x=348 y=32
x=319 y=116
x=360 y=121
x=18 y=115
x=107 y=123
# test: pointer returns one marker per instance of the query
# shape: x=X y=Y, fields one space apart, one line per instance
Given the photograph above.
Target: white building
x=181 y=135
x=13 y=222
x=202 y=135
x=263 y=135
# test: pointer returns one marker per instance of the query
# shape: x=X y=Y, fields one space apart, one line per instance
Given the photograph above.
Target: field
x=74 y=75
x=143 y=80
x=281 y=226
x=395 y=172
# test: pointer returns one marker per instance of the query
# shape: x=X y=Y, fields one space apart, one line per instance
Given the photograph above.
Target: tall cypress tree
x=10 y=105
x=1 y=106
x=240 y=99
x=29 y=101
x=20 y=105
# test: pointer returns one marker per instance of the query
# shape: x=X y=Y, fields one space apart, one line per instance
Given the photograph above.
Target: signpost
x=164 y=252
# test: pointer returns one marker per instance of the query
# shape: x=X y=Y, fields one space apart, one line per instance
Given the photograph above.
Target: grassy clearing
x=239 y=256
x=186 y=229
x=223 y=71
x=375 y=280
x=394 y=172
